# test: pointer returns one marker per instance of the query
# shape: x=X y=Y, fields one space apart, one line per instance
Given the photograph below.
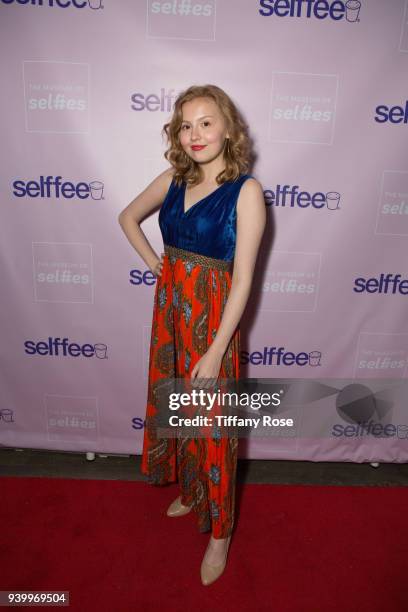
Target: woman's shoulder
x=251 y=194
x=165 y=179
x=169 y=174
x=251 y=184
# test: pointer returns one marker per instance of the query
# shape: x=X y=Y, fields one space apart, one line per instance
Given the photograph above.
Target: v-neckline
x=183 y=198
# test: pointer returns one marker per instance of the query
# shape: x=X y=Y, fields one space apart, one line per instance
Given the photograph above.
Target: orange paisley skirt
x=189 y=301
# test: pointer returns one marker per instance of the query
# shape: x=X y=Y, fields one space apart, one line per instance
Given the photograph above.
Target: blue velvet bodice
x=209 y=226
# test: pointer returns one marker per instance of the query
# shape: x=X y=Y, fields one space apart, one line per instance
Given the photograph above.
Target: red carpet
x=296 y=548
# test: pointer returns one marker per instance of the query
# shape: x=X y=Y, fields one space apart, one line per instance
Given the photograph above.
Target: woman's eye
x=206 y=123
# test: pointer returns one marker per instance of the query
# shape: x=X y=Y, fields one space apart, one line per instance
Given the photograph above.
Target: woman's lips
x=197 y=147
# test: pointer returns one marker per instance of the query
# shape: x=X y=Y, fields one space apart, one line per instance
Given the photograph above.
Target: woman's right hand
x=158 y=268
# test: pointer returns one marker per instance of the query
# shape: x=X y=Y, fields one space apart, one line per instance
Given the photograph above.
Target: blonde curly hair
x=237 y=148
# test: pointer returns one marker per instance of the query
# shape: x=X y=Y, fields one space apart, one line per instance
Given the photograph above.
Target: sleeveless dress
x=189 y=301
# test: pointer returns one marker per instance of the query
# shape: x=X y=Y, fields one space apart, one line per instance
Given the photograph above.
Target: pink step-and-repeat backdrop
x=86 y=89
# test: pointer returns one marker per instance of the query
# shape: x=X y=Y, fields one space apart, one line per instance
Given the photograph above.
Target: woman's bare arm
x=251 y=220
x=139 y=208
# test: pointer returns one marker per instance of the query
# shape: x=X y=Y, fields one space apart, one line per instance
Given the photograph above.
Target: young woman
x=212 y=218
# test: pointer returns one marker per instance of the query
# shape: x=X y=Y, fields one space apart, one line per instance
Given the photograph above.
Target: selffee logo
x=273 y=356
x=371 y=428
x=138 y=277
x=391 y=114
x=318 y=9
x=286 y=196
x=367 y=414
x=153 y=102
x=55 y=187
x=62 y=347
x=79 y=4
x=385 y=283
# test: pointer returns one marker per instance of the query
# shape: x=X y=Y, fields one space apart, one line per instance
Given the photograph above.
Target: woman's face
x=203 y=124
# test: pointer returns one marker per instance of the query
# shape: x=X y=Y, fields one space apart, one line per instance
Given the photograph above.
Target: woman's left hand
x=207 y=369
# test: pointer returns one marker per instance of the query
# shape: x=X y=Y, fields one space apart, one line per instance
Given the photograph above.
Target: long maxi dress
x=189 y=301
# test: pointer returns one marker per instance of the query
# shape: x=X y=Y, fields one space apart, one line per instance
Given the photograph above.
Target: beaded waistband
x=196 y=258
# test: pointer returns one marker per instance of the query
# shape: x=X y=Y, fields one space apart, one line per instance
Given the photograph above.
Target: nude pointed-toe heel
x=176 y=508
x=210 y=573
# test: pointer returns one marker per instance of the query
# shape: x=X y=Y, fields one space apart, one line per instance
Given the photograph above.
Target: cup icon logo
x=332 y=200
x=402 y=432
x=96 y=188
x=6 y=415
x=101 y=351
x=95 y=4
x=353 y=10
x=314 y=358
